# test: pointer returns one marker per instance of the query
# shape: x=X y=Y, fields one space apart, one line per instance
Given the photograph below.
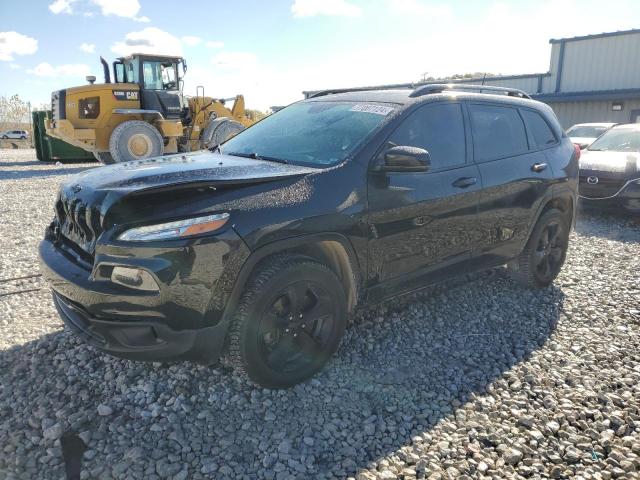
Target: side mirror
x=406 y=159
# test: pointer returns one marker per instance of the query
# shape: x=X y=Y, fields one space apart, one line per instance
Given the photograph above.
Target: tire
x=270 y=341
x=23 y=138
x=104 y=157
x=135 y=140
x=4 y=137
x=218 y=131
x=542 y=258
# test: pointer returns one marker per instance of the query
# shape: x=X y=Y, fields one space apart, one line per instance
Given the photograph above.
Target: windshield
x=311 y=133
x=159 y=75
x=618 y=140
x=586 y=131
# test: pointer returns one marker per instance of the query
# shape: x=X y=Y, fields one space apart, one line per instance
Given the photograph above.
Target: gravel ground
x=478 y=378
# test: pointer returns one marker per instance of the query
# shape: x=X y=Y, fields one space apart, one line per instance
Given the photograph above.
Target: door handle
x=538 y=167
x=465 y=182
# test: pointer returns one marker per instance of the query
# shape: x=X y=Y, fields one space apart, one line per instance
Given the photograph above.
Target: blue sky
x=271 y=51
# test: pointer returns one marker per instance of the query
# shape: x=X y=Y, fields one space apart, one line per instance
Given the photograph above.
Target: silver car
x=584 y=134
x=14 y=134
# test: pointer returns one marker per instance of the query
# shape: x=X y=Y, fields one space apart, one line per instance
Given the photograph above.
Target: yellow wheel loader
x=143 y=112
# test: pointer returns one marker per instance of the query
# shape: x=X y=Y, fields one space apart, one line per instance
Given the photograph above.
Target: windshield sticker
x=377 y=109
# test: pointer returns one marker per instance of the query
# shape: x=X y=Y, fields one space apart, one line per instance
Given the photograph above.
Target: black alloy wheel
x=543 y=256
x=549 y=252
x=289 y=322
x=296 y=328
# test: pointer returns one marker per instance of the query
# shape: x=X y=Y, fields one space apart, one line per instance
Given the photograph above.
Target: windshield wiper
x=255 y=156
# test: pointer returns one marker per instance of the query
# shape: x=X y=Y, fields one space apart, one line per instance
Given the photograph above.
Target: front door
x=421 y=220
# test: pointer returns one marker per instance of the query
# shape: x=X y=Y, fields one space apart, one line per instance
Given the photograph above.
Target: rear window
x=498 y=132
x=538 y=128
x=586 y=131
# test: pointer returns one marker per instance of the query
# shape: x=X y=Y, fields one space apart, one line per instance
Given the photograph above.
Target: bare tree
x=14 y=113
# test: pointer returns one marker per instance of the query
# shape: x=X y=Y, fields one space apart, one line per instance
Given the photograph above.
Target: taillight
x=578 y=151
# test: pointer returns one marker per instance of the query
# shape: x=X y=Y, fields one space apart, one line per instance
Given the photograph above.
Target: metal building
x=593 y=78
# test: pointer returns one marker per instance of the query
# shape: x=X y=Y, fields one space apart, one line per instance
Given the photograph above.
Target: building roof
x=596 y=35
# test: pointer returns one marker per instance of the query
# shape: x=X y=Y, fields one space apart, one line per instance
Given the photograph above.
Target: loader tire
x=135 y=140
x=218 y=131
x=104 y=157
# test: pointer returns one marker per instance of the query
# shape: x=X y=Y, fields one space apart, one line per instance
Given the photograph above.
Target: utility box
x=49 y=149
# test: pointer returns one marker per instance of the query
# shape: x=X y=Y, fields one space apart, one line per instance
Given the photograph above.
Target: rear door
x=421 y=220
x=515 y=172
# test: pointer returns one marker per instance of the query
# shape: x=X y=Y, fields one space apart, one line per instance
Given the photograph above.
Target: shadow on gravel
x=49 y=172
x=402 y=368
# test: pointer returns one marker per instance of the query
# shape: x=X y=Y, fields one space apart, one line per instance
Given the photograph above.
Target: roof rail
x=398 y=86
x=441 y=87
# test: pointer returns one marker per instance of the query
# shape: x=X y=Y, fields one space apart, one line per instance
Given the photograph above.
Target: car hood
x=614 y=163
x=101 y=188
x=185 y=169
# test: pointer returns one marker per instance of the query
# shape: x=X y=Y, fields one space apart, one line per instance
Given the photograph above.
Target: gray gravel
x=478 y=378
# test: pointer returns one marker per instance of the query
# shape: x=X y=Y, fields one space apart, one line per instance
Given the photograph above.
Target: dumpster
x=49 y=149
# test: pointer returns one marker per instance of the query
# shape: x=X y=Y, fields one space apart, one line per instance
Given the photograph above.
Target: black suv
x=264 y=246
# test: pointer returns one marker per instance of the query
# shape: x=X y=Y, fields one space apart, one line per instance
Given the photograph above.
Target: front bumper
x=178 y=322
x=627 y=197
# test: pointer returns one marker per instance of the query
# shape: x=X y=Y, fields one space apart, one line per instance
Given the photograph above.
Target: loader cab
x=159 y=78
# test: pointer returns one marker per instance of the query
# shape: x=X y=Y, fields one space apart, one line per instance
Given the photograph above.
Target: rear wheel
x=104 y=157
x=135 y=140
x=219 y=130
x=4 y=137
x=289 y=322
x=540 y=262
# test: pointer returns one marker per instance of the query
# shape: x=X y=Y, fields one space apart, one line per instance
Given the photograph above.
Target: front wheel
x=542 y=258
x=4 y=137
x=135 y=140
x=289 y=322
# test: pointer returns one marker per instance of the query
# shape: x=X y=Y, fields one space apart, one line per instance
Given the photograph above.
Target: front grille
x=606 y=187
x=58 y=105
x=78 y=223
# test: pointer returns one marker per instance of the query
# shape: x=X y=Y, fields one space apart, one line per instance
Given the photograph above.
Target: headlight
x=179 y=229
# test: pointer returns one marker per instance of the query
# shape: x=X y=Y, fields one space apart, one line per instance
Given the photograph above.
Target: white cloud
x=88 y=47
x=235 y=60
x=214 y=44
x=119 y=8
x=67 y=70
x=191 y=41
x=311 y=8
x=14 y=43
x=14 y=66
x=149 y=40
x=61 y=6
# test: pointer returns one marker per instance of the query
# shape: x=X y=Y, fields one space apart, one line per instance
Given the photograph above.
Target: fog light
x=134 y=278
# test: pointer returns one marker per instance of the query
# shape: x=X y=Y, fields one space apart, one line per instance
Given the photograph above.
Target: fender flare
x=551 y=195
x=287 y=244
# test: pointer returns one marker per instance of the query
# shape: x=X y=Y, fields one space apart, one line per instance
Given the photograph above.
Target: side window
x=497 y=132
x=439 y=129
x=538 y=128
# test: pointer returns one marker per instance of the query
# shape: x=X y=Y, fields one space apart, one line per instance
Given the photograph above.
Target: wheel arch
x=564 y=201
x=331 y=249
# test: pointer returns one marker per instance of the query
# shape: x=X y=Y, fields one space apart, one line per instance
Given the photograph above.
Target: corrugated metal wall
x=606 y=63
x=570 y=113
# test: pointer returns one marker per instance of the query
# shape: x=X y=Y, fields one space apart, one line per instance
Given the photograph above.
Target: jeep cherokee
x=263 y=246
